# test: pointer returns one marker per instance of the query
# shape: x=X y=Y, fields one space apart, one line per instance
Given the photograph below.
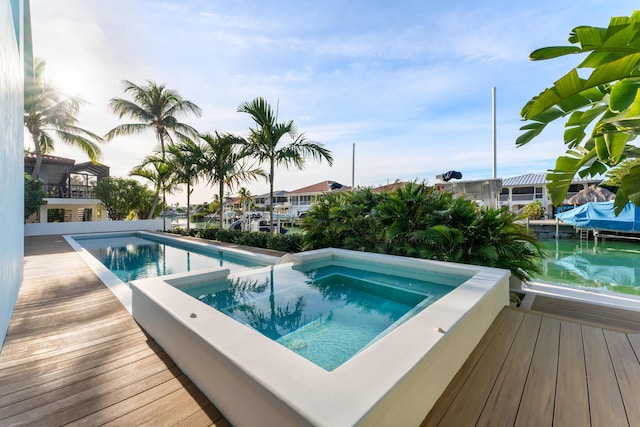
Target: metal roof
x=532 y=179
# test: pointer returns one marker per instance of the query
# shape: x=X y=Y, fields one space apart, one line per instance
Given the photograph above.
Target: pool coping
x=284 y=388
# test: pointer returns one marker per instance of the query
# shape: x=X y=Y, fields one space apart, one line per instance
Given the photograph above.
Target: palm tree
x=224 y=163
x=186 y=160
x=264 y=140
x=160 y=173
x=47 y=112
x=246 y=198
x=153 y=107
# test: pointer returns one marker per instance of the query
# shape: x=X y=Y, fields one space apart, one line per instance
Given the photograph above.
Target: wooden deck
x=537 y=369
x=74 y=355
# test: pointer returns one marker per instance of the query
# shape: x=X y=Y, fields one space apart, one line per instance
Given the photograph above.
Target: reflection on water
x=611 y=265
x=326 y=314
x=132 y=257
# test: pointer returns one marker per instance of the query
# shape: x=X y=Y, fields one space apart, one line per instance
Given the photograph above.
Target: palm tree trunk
x=272 y=167
x=154 y=204
x=164 y=200
x=38 y=151
x=188 y=202
x=164 y=209
x=221 y=194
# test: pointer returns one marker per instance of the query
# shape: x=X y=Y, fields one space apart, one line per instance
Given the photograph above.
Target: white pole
x=353 y=167
x=493 y=129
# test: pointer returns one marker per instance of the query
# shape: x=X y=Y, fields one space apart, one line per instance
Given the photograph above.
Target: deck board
x=500 y=325
x=501 y=399
x=537 y=403
x=576 y=374
x=605 y=400
x=73 y=354
x=627 y=369
x=572 y=399
x=480 y=380
x=588 y=313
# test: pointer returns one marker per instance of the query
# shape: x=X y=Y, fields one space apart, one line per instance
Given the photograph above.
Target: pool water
x=132 y=257
x=326 y=314
x=610 y=265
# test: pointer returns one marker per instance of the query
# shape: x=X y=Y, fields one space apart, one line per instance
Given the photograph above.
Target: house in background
x=518 y=191
x=69 y=188
x=484 y=192
x=262 y=201
x=300 y=200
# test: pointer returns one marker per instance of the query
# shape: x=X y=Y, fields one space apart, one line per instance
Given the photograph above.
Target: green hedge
x=258 y=239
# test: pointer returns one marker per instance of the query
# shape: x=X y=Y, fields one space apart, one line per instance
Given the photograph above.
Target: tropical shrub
x=33 y=195
x=343 y=220
x=121 y=196
x=284 y=242
x=533 y=210
x=256 y=239
x=418 y=222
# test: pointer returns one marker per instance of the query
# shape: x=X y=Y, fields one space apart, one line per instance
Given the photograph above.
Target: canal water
x=610 y=265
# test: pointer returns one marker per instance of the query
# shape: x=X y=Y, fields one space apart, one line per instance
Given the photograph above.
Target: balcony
x=69 y=191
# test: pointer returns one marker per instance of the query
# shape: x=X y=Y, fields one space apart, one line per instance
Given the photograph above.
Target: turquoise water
x=326 y=314
x=131 y=257
x=610 y=265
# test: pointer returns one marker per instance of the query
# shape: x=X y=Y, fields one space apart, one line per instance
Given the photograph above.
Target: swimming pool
x=323 y=312
x=138 y=255
x=119 y=258
x=393 y=380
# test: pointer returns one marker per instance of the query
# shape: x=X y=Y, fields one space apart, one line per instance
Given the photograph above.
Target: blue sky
x=409 y=82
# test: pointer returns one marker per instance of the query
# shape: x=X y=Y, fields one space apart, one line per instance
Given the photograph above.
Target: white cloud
x=408 y=82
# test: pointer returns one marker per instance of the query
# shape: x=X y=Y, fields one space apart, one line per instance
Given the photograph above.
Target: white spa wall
x=11 y=159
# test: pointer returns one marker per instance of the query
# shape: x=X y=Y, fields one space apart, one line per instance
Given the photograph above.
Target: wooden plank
x=10 y=364
x=38 y=401
x=595 y=314
x=572 y=400
x=627 y=369
x=505 y=396
x=502 y=321
x=481 y=379
x=144 y=393
x=112 y=405
x=634 y=340
x=171 y=408
x=208 y=416
x=605 y=401
x=536 y=407
x=71 y=332
x=72 y=370
x=61 y=361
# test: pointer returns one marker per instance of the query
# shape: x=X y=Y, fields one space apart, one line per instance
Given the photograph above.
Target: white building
x=518 y=191
x=300 y=200
x=68 y=187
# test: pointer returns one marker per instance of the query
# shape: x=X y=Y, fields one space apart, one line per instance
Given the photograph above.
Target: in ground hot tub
x=260 y=357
